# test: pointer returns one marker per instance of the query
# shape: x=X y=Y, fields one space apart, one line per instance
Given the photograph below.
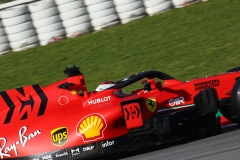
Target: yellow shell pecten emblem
x=91 y=127
x=73 y=92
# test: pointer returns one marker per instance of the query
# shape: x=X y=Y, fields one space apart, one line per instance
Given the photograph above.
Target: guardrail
x=28 y=23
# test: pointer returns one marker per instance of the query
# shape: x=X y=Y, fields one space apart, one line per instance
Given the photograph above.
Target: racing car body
x=66 y=121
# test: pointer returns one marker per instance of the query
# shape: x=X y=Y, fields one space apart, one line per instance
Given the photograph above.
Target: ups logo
x=59 y=136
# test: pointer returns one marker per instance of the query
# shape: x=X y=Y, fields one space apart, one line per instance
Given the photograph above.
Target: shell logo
x=91 y=127
x=73 y=92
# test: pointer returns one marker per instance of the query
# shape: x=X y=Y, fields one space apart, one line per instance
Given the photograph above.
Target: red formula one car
x=65 y=121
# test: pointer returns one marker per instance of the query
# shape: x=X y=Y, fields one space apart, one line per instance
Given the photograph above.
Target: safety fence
x=28 y=23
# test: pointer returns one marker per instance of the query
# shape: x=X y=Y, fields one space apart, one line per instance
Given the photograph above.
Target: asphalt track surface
x=225 y=146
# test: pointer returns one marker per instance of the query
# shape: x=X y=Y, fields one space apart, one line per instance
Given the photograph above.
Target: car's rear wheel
x=234 y=69
x=229 y=113
x=230 y=109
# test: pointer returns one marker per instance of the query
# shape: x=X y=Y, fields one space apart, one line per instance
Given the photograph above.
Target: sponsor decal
x=62 y=154
x=26 y=106
x=74 y=92
x=91 y=127
x=99 y=100
x=59 y=136
x=207 y=84
x=132 y=113
x=151 y=104
x=75 y=152
x=176 y=101
x=47 y=157
x=107 y=144
x=88 y=148
x=63 y=100
x=23 y=139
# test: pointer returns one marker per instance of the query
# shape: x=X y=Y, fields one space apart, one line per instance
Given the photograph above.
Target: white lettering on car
x=176 y=101
x=99 y=100
x=62 y=154
x=107 y=144
x=47 y=157
x=75 y=152
x=23 y=139
x=88 y=148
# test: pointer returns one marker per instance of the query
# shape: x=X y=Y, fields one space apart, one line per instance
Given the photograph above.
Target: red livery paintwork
x=37 y=119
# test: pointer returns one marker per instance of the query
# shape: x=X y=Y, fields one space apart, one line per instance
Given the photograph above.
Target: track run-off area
x=220 y=147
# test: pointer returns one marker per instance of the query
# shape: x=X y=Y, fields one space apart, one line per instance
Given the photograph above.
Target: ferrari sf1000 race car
x=66 y=121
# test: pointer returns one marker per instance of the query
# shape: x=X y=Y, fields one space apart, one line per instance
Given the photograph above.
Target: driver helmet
x=108 y=84
x=105 y=85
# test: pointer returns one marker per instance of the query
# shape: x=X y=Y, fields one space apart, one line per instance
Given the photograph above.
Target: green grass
x=195 y=41
x=5 y=1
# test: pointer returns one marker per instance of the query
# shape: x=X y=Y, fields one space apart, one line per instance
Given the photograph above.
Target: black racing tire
x=232 y=111
x=234 y=69
x=235 y=101
x=229 y=111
